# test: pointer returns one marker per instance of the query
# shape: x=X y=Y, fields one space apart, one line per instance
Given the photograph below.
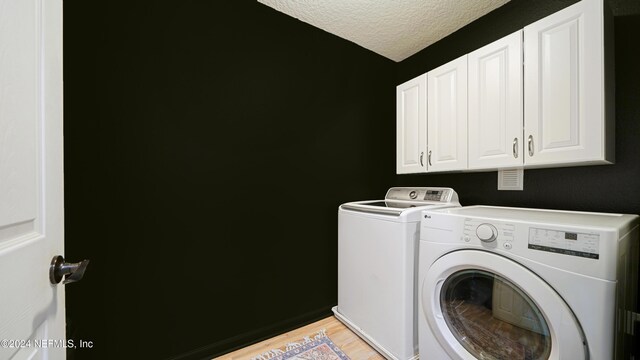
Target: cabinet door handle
x=421 y=156
x=515 y=148
x=429 y=158
x=530 y=144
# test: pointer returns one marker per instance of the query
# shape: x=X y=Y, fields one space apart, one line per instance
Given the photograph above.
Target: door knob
x=71 y=272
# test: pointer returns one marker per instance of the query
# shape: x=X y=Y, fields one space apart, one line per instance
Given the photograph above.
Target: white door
x=495 y=104
x=564 y=86
x=458 y=300
x=447 y=116
x=509 y=306
x=31 y=185
x=411 y=126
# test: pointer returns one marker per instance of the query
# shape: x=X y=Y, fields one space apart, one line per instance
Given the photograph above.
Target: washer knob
x=486 y=232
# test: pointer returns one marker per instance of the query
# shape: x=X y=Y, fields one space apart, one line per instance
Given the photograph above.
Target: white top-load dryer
x=515 y=283
x=377 y=273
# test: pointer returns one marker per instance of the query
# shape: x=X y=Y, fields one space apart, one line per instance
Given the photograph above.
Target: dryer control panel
x=491 y=234
x=565 y=242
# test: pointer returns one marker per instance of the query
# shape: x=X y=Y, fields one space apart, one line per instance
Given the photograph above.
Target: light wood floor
x=350 y=343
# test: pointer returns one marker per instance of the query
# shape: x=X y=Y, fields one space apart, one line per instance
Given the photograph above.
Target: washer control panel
x=421 y=194
x=492 y=234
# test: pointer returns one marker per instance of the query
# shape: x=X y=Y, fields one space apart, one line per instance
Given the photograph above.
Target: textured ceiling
x=395 y=29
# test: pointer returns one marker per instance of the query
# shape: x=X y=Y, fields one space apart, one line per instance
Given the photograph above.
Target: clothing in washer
x=515 y=283
x=377 y=274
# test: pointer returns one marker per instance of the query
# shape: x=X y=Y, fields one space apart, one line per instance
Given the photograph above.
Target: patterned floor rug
x=320 y=347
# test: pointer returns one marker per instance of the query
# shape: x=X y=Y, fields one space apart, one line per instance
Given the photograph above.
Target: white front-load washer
x=377 y=273
x=515 y=283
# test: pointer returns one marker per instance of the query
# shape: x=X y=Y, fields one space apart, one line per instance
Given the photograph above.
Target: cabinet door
x=495 y=104
x=564 y=87
x=447 y=116
x=411 y=127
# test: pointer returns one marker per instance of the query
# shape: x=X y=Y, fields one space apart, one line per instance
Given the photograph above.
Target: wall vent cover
x=512 y=179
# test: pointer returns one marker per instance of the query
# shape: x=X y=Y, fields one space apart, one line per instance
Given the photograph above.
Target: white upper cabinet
x=411 y=126
x=495 y=104
x=540 y=97
x=447 y=116
x=564 y=88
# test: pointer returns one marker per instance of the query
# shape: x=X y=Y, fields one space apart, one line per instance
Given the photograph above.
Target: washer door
x=481 y=305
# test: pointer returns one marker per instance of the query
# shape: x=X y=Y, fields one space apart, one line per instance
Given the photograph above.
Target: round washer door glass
x=493 y=318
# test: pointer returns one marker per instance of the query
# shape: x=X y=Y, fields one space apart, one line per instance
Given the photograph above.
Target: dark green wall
x=208 y=145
